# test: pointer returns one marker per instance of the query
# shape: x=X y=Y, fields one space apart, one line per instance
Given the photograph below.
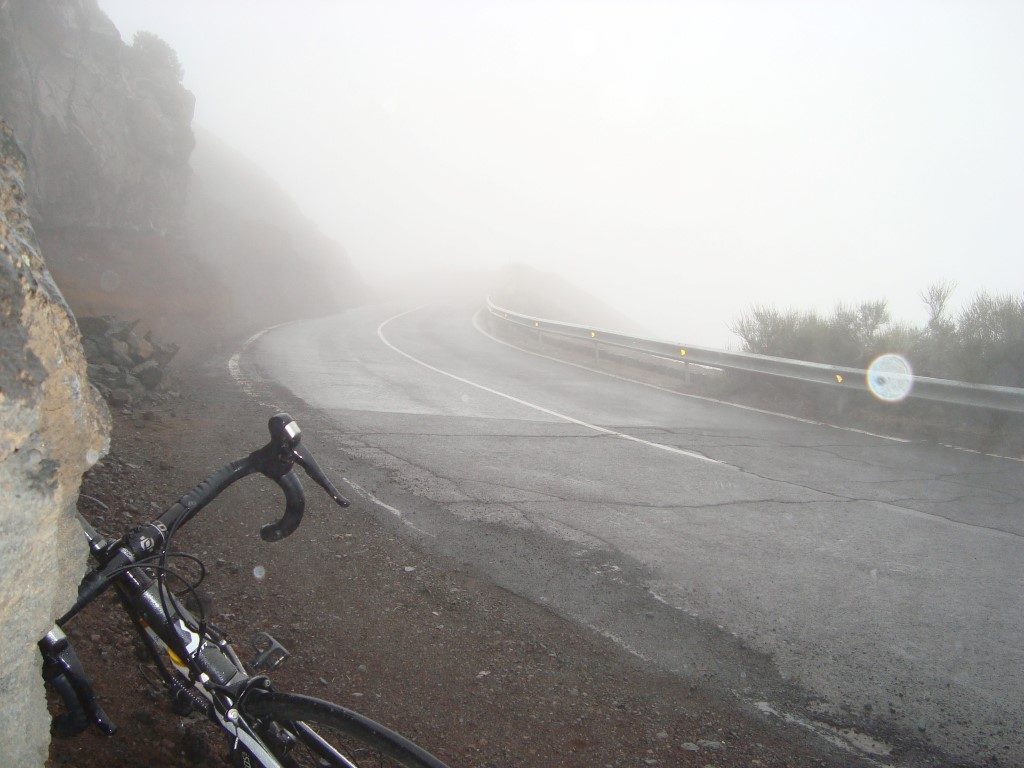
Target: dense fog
x=681 y=161
x=487 y=254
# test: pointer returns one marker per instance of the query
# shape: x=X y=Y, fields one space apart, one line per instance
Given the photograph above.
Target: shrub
x=984 y=343
x=990 y=335
x=846 y=337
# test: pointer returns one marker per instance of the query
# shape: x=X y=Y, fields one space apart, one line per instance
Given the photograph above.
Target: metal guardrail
x=840 y=377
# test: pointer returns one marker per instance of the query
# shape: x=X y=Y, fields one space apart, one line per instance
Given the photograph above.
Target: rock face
x=200 y=244
x=53 y=425
x=106 y=126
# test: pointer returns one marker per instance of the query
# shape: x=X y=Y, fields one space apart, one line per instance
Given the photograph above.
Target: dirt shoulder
x=477 y=675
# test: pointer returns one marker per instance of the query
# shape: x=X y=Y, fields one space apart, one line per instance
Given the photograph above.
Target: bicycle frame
x=204 y=672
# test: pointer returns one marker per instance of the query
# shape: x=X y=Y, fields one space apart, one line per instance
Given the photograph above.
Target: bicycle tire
x=355 y=739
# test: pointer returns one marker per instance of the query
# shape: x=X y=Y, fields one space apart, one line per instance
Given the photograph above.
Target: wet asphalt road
x=826 y=573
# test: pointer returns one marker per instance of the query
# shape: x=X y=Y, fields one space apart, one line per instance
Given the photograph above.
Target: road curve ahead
x=813 y=571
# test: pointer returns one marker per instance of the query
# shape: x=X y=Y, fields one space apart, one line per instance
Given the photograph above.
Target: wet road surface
x=832 y=575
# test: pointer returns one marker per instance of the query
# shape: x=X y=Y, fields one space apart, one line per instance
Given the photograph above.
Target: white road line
x=251 y=388
x=476 y=324
x=790 y=417
x=246 y=384
x=910 y=512
x=534 y=406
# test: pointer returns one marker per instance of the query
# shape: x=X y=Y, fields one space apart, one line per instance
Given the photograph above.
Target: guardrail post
x=597 y=350
x=687 y=374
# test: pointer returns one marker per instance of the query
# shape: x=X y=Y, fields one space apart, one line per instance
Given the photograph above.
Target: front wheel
x=304 y=732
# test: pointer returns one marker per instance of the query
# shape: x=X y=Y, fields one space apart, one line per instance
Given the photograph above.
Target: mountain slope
x=200 y=244
x=275 y=262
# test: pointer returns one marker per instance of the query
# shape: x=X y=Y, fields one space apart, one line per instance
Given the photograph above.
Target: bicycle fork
x=62 y=668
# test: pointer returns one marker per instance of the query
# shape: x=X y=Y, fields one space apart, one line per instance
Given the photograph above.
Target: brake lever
x=285 y=448
x=305 y=460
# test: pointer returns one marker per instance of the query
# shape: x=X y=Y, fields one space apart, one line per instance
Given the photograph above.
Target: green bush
x=984 y=343
x=990 y=336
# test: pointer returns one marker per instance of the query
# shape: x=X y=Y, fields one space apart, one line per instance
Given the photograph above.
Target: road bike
x=198 y=666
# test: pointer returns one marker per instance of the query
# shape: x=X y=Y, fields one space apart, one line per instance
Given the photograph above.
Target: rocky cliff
x=199 y=245
x=53 y=426
x=106 y=127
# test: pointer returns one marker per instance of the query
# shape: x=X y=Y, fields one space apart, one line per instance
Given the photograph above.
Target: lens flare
x=890 y=378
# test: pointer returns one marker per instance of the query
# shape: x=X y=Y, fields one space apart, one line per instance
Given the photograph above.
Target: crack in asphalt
x=945 y=478
x=767 y=444
x=461 y=483
x=588 y=534
x=1009 y=498
x=507 y=486
x=830 y=496
x=541 y=514
x=1002 y=532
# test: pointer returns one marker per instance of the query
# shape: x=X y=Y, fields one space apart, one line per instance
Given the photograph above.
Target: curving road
x=816 y=573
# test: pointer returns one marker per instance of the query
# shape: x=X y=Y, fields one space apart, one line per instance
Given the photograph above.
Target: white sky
x=681 y=160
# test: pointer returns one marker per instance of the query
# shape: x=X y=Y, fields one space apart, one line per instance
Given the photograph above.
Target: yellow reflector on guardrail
x=682 y=353
x=839 y=378
x=593 y=334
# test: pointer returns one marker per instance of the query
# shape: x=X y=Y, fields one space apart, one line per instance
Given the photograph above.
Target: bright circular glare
x=259 y=572
x=890 y=378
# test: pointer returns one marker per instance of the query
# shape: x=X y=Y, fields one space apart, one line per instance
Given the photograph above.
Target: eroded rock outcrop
x=53 y=425
x=106 y=127
x=136 y=220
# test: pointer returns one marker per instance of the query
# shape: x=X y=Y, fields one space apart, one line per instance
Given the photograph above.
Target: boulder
x=149 y=373
x=120 y=354
x=120 y=396
x=140 y=347
x=119 y=329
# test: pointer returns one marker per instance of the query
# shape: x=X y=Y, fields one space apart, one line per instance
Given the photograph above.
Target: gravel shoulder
x=420 y=642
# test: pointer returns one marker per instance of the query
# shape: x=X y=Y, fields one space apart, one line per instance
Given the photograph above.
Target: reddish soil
x=139 y=275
